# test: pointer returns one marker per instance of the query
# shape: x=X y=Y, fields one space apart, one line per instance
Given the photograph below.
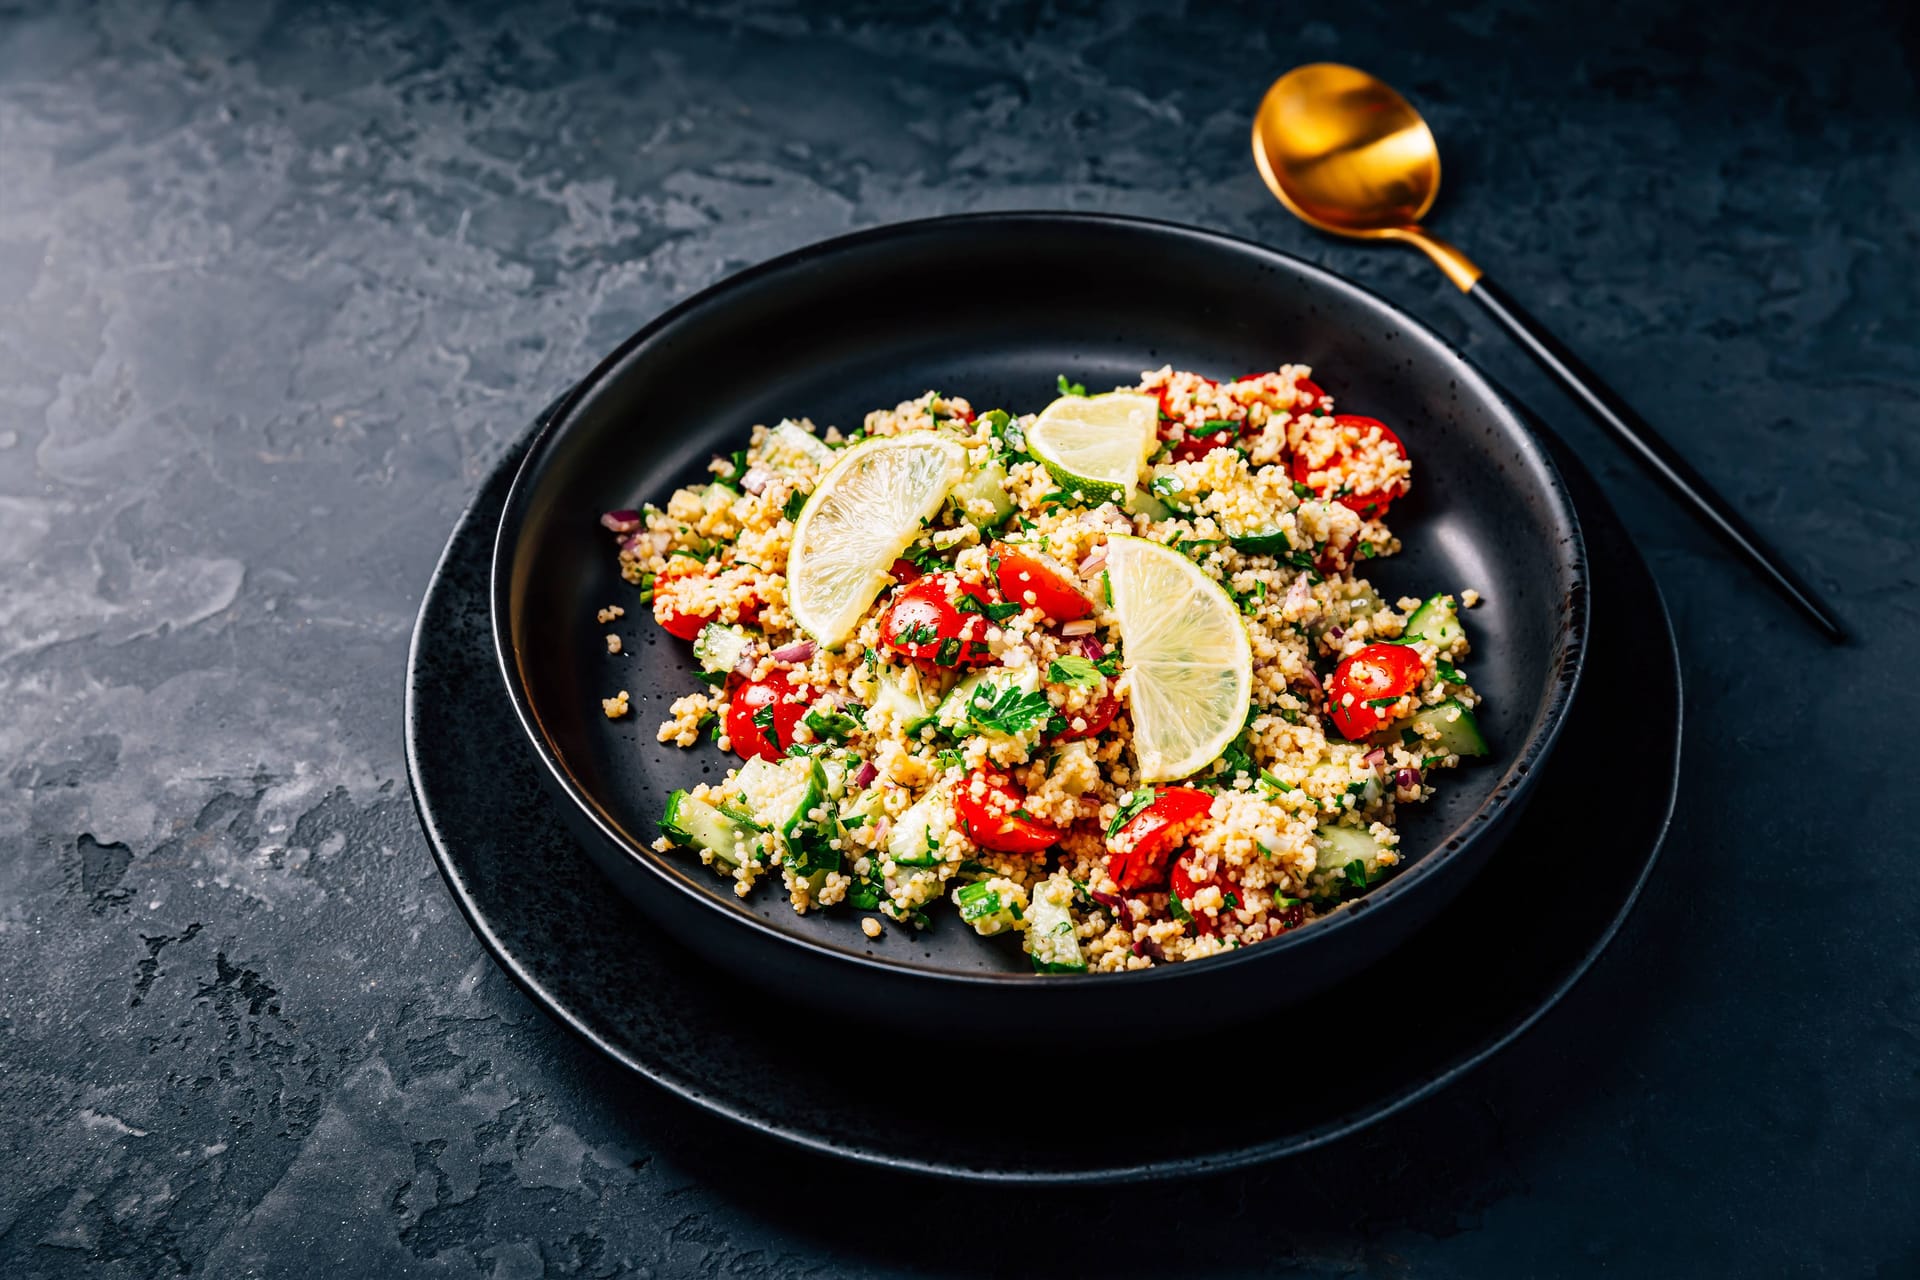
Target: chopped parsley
x=995 y=612
x=1167 y=486
x=763 y=721
x=1448 y=671
x=1070 y=388
x=1131 y=803
x=1383 y=702
x=1106 y=587
x=1213 y=427
x=1301 y=490
x=1080 y=673
x=1277 y=783
x=949 y=652
x=795 y=501
x=1006 y=710
x=832 y=726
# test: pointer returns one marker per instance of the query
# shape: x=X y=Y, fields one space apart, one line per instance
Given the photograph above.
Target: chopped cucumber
x=1262 y=542
x=791 y=447
x=812 y=831
x=1345 y=856
x=909 y=695
x=1435 y=622
x=1050 y=941
x=1142 y=503
x=981 y=497
x=1170 y=490
x=1455 y=731
x=960 y=712
x=916 y=838
x=694 y=822
x=991 y=906
x=834 y=725
x=719 y=647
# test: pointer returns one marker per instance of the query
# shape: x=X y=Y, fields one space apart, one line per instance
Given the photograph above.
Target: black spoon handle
x=1631 y=431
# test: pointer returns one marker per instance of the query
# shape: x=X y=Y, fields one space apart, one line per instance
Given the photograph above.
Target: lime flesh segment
x=1096 y=446
x=863 y=514
x=1186 y=651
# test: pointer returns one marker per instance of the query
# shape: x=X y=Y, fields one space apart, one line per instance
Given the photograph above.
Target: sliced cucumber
x=719 y=647
x=1050 y=941
x=1169 y=489
x=981 y=497
x=1142 y=503
x=1455 y=731
x=909 y=695
x=812 y=832
x=791 y=447
x=991 y=906
x=696 y=823
x=981 y=690
x=1262 y=542
x=915 y=840
x=1345 y=856
x=1436 y=622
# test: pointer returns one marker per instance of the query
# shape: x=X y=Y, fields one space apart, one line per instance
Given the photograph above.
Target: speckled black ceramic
x=994 y=307
x=1507 y=948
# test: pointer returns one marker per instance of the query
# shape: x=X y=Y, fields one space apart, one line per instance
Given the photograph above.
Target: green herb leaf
x=1080 y=673
x=1006 y=710
x=1131 y=803
x=795 y=501
x=1070 y=388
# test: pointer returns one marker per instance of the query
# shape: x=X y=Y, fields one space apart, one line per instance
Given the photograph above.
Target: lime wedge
x=1187 y=653
x=1096 y=445
x=861 y=517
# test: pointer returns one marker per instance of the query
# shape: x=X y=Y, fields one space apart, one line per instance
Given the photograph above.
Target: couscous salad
x=1107 y=677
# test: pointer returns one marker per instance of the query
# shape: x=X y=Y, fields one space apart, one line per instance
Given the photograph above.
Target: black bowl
x=994 y=307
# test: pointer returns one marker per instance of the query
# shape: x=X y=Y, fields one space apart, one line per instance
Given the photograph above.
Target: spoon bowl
x=1345 y=152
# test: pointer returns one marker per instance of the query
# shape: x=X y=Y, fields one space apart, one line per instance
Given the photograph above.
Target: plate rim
x=1359 y=1118
x=1517 y=777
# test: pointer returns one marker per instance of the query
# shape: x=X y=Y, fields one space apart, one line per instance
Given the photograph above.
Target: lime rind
x=1095 y=447
x=864 y=513
x=1187 y=656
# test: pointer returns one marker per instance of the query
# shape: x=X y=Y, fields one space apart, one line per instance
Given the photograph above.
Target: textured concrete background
x=277 y=282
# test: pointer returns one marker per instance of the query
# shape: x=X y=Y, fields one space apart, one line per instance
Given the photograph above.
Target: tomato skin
x=1368 y=506
x=750 y=739
x=1095 y=720
x=1377 y=671
x=992 y=819
x=1182 y=884
x=946 y=637
x=1309 y=394
x=1019 y=574
x=1138 y=853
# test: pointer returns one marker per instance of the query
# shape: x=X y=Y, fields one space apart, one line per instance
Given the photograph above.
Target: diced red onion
x=1300 y=592
x=749 y=659
x=865 y=774
x=1092 y=648
x=1079 y=627
x=1375 y=758
x=1312 y=679
x=1335 y=633
x=756 y=480
x=622 y=521
x=633 y=542
x=1408 y=778
x=798 y=651
x=880 y=830
x=1094 y=561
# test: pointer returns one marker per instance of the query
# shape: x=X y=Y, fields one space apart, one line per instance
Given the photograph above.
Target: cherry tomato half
x=926 y=623
x=761 y=717
x=1137 y=854
x=1191 y=874
x=1368 y=504
x=1377 y=671
x=1029 y=579
x=988 y=807
x=1308 y=396
x=1093 y=720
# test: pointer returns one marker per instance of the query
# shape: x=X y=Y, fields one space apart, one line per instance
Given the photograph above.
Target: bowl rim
x=1568 y=660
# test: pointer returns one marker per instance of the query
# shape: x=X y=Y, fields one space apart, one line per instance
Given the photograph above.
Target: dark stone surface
x=277 y=282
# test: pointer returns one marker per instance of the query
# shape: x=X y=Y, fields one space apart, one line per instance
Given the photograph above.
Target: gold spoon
x=1350 y=156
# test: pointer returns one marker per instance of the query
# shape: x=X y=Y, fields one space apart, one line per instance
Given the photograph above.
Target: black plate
x=1509 y=947
x=994 y=307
